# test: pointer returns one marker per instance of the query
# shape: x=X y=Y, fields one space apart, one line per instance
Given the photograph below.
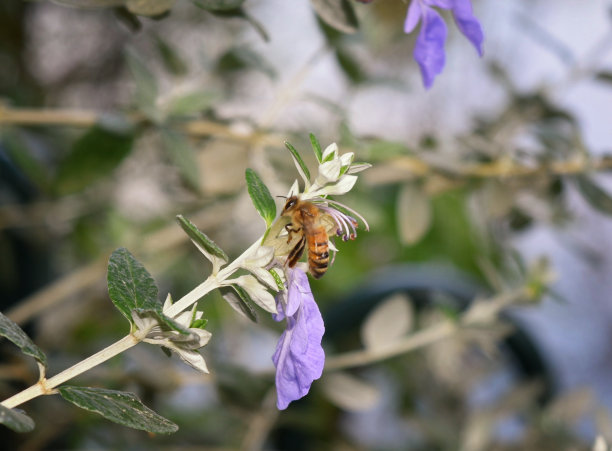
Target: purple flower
x=299 y=357
x=429 y=48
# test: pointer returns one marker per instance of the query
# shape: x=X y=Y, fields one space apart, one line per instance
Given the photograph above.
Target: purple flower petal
x=413 y=16
x=299 y=357
x=429 y=48
x=468 y=24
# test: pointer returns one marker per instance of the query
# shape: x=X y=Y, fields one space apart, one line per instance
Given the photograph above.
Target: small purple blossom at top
x=299 y=356
x=429 y=48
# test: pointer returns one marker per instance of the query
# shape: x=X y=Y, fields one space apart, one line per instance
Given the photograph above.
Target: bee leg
x=290 y=230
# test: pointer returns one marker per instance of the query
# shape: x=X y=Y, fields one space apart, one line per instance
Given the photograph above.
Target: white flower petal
x=143 y=323
x=328 y=172
x=192 y=358
x=332 y=246
x=344 y=185
x=258 y=292
x=331 y=149
x=355 y=168
x=295 y=189
x=260 y=257
x=347 y=158
x=265 y=276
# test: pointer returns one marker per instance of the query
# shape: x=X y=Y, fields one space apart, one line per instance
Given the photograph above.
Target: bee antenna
x=284 y=197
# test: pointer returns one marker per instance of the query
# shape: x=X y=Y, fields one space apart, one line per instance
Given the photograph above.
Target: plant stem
x=46 y=386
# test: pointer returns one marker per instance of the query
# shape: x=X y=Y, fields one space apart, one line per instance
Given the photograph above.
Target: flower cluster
x=299 y=356
x=263 y=269
x=429 y=48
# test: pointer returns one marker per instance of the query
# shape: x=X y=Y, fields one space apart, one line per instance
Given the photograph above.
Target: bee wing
x=277 y=238
x=329 y=224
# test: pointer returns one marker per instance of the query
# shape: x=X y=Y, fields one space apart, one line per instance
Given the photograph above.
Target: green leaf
x=240 y=13
x=218 y=5
x=192 y=103
x=15 y=334
x=119 y=407
x=96 y=154
x=338 y=14
x=279 y=282
x=298 y=161
x=316 y=147
x=241 y=58
x=351 y=66
x=146 y=85
x=604 y=76
x=200 y=239
x=240 y=301
x=130 y=286
x=182 y=155
x=158 y=315
x=593 y=194
x=16 y=420
x=173 y=62
x=149 y=8
x=261 y=197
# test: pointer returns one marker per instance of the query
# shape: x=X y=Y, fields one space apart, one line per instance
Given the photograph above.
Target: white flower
x=256 y=290
x=256 y=263
x=334 y=176
x=151 y=330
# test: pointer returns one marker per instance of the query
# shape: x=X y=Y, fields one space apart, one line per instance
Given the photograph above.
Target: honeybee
x=313 y=227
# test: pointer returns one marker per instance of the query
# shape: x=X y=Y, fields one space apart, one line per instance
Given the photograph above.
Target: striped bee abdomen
x=318 y=253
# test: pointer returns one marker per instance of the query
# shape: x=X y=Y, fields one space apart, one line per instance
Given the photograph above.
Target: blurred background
x=117 y=115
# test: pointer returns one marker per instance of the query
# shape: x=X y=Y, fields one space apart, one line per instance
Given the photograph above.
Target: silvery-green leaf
x=413 y=213
x=16 y=420
x=15 y=334
x=316 y=147
x=130 y=286
x=146 y=85
x=120 y=407
x=388 y=322
x=173 y=62
x=182 y=155
x=594 y=194
x=240 y=301
x=90 y=3
x=161 y=319
x=338 y=14
x=299 y=163
x=192 y=103
x=149 y=7
x=350 y=393
x=261 y=197
x=93 y=156
x=218 y=5
x=200 y=239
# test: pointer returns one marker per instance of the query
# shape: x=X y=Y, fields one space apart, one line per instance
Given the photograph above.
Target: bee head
x=290 y=204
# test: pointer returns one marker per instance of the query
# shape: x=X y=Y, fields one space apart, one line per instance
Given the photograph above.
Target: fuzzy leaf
x=350 y=393
x=130 y=286
x=119 y=407
x=146 y=85
x=594 y=194
x=16 y=420
x=261 y=197
x=172 y=60
x=200 y=239
x=182 y=155
x=94 y=155
x=219 y=5
x=298 y=161
x=338 y=14
x=240 y=301
x=192 y=103
x=15 y=334
x=390 y=321
x=149 y=7
x=413 y=213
